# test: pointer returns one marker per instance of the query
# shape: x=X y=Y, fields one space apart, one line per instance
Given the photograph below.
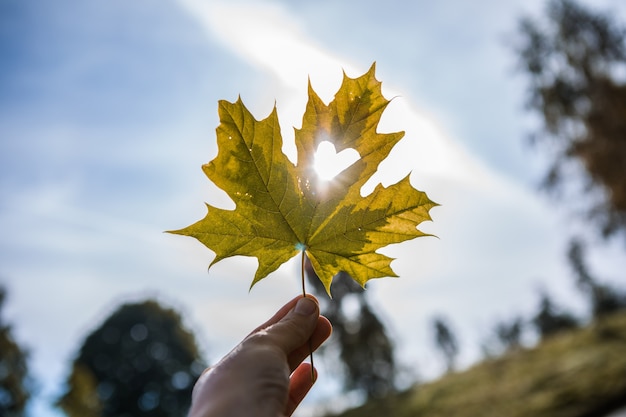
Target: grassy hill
x=580 y=373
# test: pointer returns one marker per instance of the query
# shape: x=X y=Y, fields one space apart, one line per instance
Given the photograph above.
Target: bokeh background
x=108 y=110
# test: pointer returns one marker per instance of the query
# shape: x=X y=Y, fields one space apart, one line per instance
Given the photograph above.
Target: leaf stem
x=302 y=271
x=304 y=295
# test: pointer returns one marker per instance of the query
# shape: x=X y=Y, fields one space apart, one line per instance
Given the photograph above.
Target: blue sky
x=108 y=109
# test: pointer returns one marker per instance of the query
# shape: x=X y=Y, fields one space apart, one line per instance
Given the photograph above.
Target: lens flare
x=328 y=163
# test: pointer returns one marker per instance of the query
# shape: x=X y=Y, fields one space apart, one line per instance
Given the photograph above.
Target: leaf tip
x=176 y=232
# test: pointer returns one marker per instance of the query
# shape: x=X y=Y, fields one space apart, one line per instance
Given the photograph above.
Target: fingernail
x=305 y=306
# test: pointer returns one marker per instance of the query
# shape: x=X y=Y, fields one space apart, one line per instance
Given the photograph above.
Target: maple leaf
x=283 y=208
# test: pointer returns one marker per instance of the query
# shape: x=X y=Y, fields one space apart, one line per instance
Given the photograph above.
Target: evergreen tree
x=509 y=334
x=506 y=336
x=603 y=299
x=549 y=320
x=365 y=349
x=140 y=362
x=573 y=59
x=445 y=341
x=14 y=392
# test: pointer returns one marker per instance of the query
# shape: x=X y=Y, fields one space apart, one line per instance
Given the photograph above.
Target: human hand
x=264 y=376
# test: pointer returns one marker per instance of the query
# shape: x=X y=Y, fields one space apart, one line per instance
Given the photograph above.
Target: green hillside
x=580 y=373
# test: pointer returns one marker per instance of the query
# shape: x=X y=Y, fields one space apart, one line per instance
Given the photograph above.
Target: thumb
x=296 y=327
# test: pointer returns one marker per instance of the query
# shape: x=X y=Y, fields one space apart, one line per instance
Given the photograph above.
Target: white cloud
x=267 y=36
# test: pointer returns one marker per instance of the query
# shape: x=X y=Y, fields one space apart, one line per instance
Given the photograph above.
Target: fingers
x=297 y=326
x=322 y=332
x=263 y=361
x=292 y=332
x=281 y=313
x=299 y=386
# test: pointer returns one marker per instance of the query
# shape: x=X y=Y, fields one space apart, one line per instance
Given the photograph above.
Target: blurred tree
x=603 y=298
x=576 y=62
x=506 y=336
x=367 y=353
x=14 y=393
x=549 y=320
x=140 y=362
x=359 y=336
x=509 y=334
x=445 y=341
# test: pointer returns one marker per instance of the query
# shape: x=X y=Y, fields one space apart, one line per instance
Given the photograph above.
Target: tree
x=14 y=393
x=445 y=341
x=365 y=349
x=140 y=362
x=506 y=336
x=509 y=334
x=367 y=352
x=573 y=60
x=549 y=320
x=603 y=298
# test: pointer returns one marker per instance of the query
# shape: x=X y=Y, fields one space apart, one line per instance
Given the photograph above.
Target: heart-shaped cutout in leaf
x=329 y=162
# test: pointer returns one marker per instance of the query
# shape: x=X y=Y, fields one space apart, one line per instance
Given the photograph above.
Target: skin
x=265 y=375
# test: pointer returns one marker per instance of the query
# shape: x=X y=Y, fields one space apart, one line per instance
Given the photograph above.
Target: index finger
x=282 y=312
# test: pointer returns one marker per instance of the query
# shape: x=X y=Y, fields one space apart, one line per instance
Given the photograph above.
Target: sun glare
x=328 y=163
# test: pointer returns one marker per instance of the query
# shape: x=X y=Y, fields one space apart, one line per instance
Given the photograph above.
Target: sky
x=109 y=108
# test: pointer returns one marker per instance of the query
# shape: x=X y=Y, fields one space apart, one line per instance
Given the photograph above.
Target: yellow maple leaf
x=283 y=209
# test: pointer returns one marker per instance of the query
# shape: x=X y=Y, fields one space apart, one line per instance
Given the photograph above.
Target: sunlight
x=285 y=51
x=328 y=163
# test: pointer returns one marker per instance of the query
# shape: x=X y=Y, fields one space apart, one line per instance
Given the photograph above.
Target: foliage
x=140 y=362
x=505 y=337
x=14 y=392
x=549 y=320
x=371 y=367
x=283 y=208
x=574 y=60
x=603 y=299
x=573 y=374
x=509 y=334
x=445 y=340
x=363 y=345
